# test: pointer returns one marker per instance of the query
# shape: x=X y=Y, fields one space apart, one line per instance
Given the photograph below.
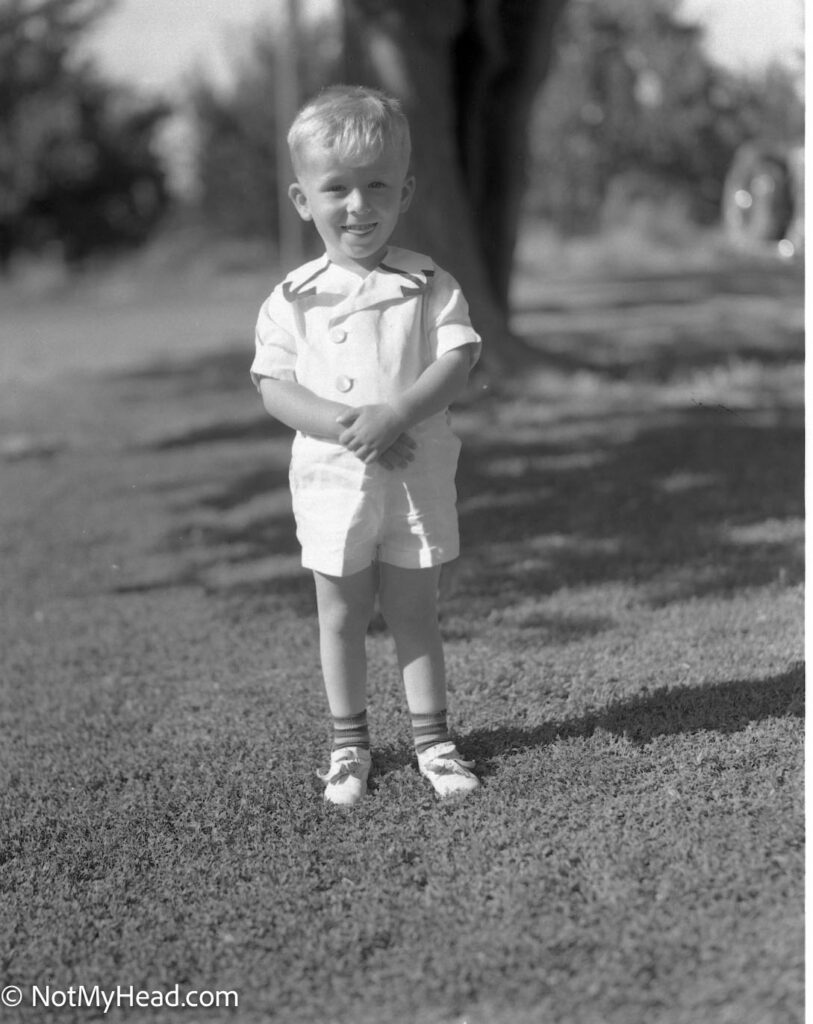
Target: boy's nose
x=356 y=200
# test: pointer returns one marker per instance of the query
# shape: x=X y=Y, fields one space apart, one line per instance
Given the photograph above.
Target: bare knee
x=343 y=620
x=345 y=607
x=410 y=614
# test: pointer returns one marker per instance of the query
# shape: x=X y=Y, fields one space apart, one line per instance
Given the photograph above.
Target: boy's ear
x=297 y=196
x=407 y=192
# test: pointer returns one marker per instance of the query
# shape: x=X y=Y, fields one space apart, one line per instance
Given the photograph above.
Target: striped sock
x=351 y=732
x=429 y=730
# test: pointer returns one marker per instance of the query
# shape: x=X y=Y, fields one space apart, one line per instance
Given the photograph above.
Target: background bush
x=237 y=132
x=635 y=109
x=78 y=164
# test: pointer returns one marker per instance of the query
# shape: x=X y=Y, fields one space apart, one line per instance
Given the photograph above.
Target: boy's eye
x=377 y=184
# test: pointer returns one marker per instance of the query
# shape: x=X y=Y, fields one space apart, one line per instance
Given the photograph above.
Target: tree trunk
x=466 y=72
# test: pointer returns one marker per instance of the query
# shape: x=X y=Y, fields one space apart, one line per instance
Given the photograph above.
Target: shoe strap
x=449 y=765
x=340 y=771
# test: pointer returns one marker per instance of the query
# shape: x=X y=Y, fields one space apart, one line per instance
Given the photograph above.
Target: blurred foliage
x=237 y=131
x=635 y=109
x=77 y=166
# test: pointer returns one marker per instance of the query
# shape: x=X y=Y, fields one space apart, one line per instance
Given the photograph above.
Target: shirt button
x=343 y=383
x=338 y=335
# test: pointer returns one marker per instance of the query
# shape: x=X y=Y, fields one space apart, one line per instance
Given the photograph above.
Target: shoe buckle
x=344 y=770
x=450 y=766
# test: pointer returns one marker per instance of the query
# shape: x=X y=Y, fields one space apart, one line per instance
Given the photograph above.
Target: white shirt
x=361 y=340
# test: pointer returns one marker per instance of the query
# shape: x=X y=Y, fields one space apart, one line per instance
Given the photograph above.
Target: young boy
x=361 y=352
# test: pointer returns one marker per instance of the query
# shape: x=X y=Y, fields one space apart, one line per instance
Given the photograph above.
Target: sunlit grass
x=624 y=644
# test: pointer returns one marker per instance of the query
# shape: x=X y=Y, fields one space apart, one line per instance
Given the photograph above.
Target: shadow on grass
x=568 y=489
x=206 y=374
x=704 y=504
x=770 y=280
x=258 y=429
x=721 y=707
x=656 y=327
x=701 y=504
x=668 y=711
x=575 y=351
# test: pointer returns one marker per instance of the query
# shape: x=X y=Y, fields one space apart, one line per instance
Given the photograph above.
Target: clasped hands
x=375 y=433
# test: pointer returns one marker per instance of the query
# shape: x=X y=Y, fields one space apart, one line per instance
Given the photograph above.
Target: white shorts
x=349 y=515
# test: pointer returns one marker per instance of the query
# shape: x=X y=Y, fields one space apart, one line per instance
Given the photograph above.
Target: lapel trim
x=419 y=284
x=293 y=288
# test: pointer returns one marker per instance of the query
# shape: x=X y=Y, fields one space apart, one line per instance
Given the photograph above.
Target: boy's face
x=354 y=206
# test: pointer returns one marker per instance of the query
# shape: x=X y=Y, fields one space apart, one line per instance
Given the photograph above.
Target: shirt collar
x=401 y=274
x=305 y=280
x=410 y=272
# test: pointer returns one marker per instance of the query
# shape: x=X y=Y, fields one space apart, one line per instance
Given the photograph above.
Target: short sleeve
x=274 y=341
x=448 y=324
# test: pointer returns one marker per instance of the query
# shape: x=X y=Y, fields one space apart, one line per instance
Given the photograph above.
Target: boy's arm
x=299 y=408
x=371 y=429
x=294 y=405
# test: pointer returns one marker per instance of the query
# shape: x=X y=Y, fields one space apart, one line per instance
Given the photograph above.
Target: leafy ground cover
x=624 y=640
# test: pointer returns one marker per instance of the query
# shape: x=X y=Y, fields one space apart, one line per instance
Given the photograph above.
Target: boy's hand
x=400 y=453
x=376 y=433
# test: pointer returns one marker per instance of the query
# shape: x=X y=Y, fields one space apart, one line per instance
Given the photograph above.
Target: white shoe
x=346 y=779
x=447 y=771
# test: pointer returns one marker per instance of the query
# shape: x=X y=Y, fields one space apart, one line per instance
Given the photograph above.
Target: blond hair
x=356 y=122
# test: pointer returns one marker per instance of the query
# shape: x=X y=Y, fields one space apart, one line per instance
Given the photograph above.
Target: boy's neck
x=361 y=268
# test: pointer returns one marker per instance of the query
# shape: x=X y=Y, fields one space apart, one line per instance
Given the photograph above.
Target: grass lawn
x=624 y=638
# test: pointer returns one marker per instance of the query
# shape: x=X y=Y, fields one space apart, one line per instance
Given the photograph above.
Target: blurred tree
x=236 y=128
x=467 y=73
x=634 y=104
x=77 y=165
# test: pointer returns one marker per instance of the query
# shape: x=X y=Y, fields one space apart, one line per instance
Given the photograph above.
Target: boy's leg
x=408 y=600
x=345 y=606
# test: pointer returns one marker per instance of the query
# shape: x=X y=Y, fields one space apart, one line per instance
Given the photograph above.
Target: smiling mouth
x=360 y=229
